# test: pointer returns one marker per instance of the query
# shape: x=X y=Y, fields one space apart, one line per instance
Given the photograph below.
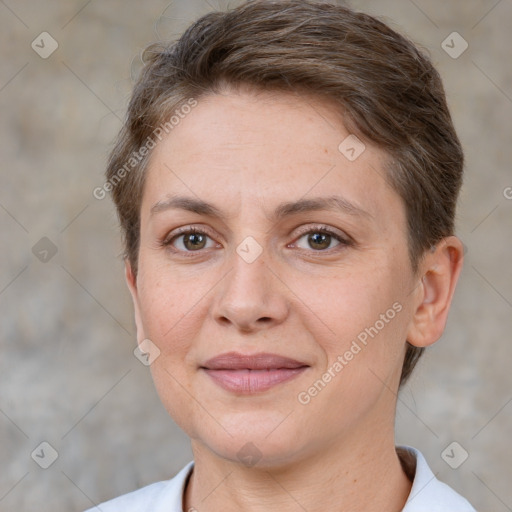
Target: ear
x=131 y=281
x=438 y=276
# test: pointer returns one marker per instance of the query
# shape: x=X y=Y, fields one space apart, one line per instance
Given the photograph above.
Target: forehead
x=262 y=149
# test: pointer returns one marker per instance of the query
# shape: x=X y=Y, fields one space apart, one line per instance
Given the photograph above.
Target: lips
x=246 y=374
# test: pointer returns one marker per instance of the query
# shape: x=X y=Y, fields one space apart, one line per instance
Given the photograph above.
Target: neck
x=344 y=476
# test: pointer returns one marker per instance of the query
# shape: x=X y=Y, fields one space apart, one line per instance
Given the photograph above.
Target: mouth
x=248 y=374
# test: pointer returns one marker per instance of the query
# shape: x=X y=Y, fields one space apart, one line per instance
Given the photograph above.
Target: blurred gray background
x=68 y=376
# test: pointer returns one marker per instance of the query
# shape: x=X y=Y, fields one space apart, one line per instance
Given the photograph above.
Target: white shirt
x=427 y=494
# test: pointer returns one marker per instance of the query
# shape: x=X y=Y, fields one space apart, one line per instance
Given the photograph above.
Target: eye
x=188 y=239
x=320 y=238
x=191 y=239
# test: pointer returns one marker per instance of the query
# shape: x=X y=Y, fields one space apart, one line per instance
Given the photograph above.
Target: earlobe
x=440 y=271
x=131 y=281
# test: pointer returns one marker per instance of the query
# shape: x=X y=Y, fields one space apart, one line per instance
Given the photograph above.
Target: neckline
x=406 y=457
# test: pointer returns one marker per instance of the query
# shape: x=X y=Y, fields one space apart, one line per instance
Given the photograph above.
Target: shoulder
x=428 y=494
x=160 y=496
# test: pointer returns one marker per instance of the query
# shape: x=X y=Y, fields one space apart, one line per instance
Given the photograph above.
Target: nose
x=252 y=296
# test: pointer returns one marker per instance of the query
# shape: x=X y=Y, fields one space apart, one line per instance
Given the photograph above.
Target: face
x=280 y=308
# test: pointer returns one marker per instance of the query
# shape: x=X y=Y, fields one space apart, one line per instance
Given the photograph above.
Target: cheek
x=363 y=360
x=167 y=302
x=367 y=318
x=169 y=312
x=173 y=311
x=158 y=308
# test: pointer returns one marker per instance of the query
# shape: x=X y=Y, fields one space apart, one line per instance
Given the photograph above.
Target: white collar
x=428 y=494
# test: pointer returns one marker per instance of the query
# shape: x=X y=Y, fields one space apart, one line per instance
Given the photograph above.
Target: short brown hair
x=386 y=89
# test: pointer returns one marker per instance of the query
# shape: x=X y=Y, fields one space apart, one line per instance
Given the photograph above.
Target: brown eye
x=189 y=240
x=320 y=239
x=194 y=241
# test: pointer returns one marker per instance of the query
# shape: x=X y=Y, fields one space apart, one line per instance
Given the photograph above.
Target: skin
x=246 y=152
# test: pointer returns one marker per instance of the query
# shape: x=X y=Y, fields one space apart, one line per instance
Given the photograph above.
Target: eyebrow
x=286 y=209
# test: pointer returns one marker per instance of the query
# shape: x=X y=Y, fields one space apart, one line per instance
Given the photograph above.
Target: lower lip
x=252 y=381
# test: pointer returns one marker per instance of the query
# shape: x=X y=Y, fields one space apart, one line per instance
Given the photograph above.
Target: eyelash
x=188 y=230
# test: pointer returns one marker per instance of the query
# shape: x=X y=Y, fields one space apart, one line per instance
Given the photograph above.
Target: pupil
x=319 y=238
x=194 y=239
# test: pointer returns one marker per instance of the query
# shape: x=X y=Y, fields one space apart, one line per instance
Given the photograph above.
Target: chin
x=256 y=451
x=253 y=438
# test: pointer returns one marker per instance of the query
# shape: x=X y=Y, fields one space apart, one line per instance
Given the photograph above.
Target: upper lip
x=261 y=361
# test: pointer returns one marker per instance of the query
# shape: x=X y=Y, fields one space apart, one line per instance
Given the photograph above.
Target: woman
x=286 y=182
